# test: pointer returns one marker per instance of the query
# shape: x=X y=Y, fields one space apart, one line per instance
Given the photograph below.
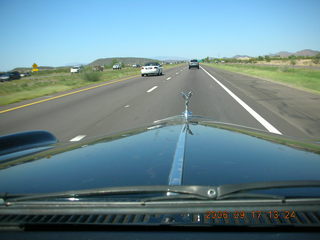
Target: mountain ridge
x=284 y=54
x=123 y=60
x=304 y=52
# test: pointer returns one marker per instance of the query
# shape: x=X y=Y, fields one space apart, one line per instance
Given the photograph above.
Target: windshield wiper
x=201 y=192
x=194 y=197
x=226 y=191
x=230 y=190
x=242 y=191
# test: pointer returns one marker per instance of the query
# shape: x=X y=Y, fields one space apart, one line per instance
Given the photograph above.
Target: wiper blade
x=199 y=191
x=228 y=190
x=196 y=197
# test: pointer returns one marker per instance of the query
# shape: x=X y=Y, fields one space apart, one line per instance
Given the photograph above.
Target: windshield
x=230 y=97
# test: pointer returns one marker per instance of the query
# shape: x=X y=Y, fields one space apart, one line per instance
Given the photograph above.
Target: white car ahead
x=152 y=68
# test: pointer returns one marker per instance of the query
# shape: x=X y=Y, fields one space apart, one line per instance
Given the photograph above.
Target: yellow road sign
x=34 y=65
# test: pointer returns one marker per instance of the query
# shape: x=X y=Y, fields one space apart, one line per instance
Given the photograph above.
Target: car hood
x=215 y=154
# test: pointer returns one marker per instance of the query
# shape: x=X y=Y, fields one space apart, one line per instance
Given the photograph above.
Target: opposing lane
x=72 y=115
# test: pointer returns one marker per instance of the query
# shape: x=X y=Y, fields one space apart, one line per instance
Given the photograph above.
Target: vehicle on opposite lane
x=151 y=68
x=75 y=69
x=4 y=77
x=14 y=75
x=25 y=74
x=116 y=67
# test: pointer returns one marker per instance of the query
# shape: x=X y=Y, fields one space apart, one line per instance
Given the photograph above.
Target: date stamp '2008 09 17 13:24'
x=272 y=214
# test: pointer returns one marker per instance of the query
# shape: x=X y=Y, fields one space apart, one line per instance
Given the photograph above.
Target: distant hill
x=282 y=54
x=241 y=56
x=123 y=60
x=170 y=58
x=285 y=54
x=305 y=52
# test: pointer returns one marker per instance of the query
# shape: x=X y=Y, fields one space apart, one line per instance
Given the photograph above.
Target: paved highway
x=218 y=94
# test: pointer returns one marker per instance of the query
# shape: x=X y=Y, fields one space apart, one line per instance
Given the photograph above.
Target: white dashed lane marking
x=168 y=78
x=151 y=89
x=154 y=127
x=77 y=138
x=126 y=106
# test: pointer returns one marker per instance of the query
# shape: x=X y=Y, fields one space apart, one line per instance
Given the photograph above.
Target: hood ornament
x=187 y=114
x=176 y=172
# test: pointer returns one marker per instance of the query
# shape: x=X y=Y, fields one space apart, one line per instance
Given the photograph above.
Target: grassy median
x=50 y=83
x=304 y=78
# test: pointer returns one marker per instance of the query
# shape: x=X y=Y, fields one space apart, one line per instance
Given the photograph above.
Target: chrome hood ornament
x=187 y=114
x=176 y=172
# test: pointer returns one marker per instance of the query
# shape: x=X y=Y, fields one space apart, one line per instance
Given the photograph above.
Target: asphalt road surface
x=218 y=94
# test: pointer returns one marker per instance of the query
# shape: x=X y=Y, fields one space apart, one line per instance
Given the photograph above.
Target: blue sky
x=56 y=33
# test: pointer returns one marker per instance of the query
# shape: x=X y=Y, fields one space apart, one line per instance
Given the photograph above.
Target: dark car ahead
x=194 y=64
x=14 y=75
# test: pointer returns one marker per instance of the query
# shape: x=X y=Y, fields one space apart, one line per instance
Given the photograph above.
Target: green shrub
x=267 y=58
x=316 y=59
x=293 y=62
x=91 y=76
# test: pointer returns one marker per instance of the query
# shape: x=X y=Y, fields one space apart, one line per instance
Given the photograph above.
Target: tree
x=267 y=58
x=206 y=59
x=114 y=61
x=260 y=58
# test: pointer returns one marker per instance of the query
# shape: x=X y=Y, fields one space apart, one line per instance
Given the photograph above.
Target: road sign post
x=35 y=67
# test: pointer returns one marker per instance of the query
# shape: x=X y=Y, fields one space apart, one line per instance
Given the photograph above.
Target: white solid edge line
x=151 y=89
x=253 y=113
x=77 y=138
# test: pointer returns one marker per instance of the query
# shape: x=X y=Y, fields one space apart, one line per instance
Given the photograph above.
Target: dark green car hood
x=214 y=155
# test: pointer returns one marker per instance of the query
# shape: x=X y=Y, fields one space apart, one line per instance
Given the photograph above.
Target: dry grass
x=299 y=62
